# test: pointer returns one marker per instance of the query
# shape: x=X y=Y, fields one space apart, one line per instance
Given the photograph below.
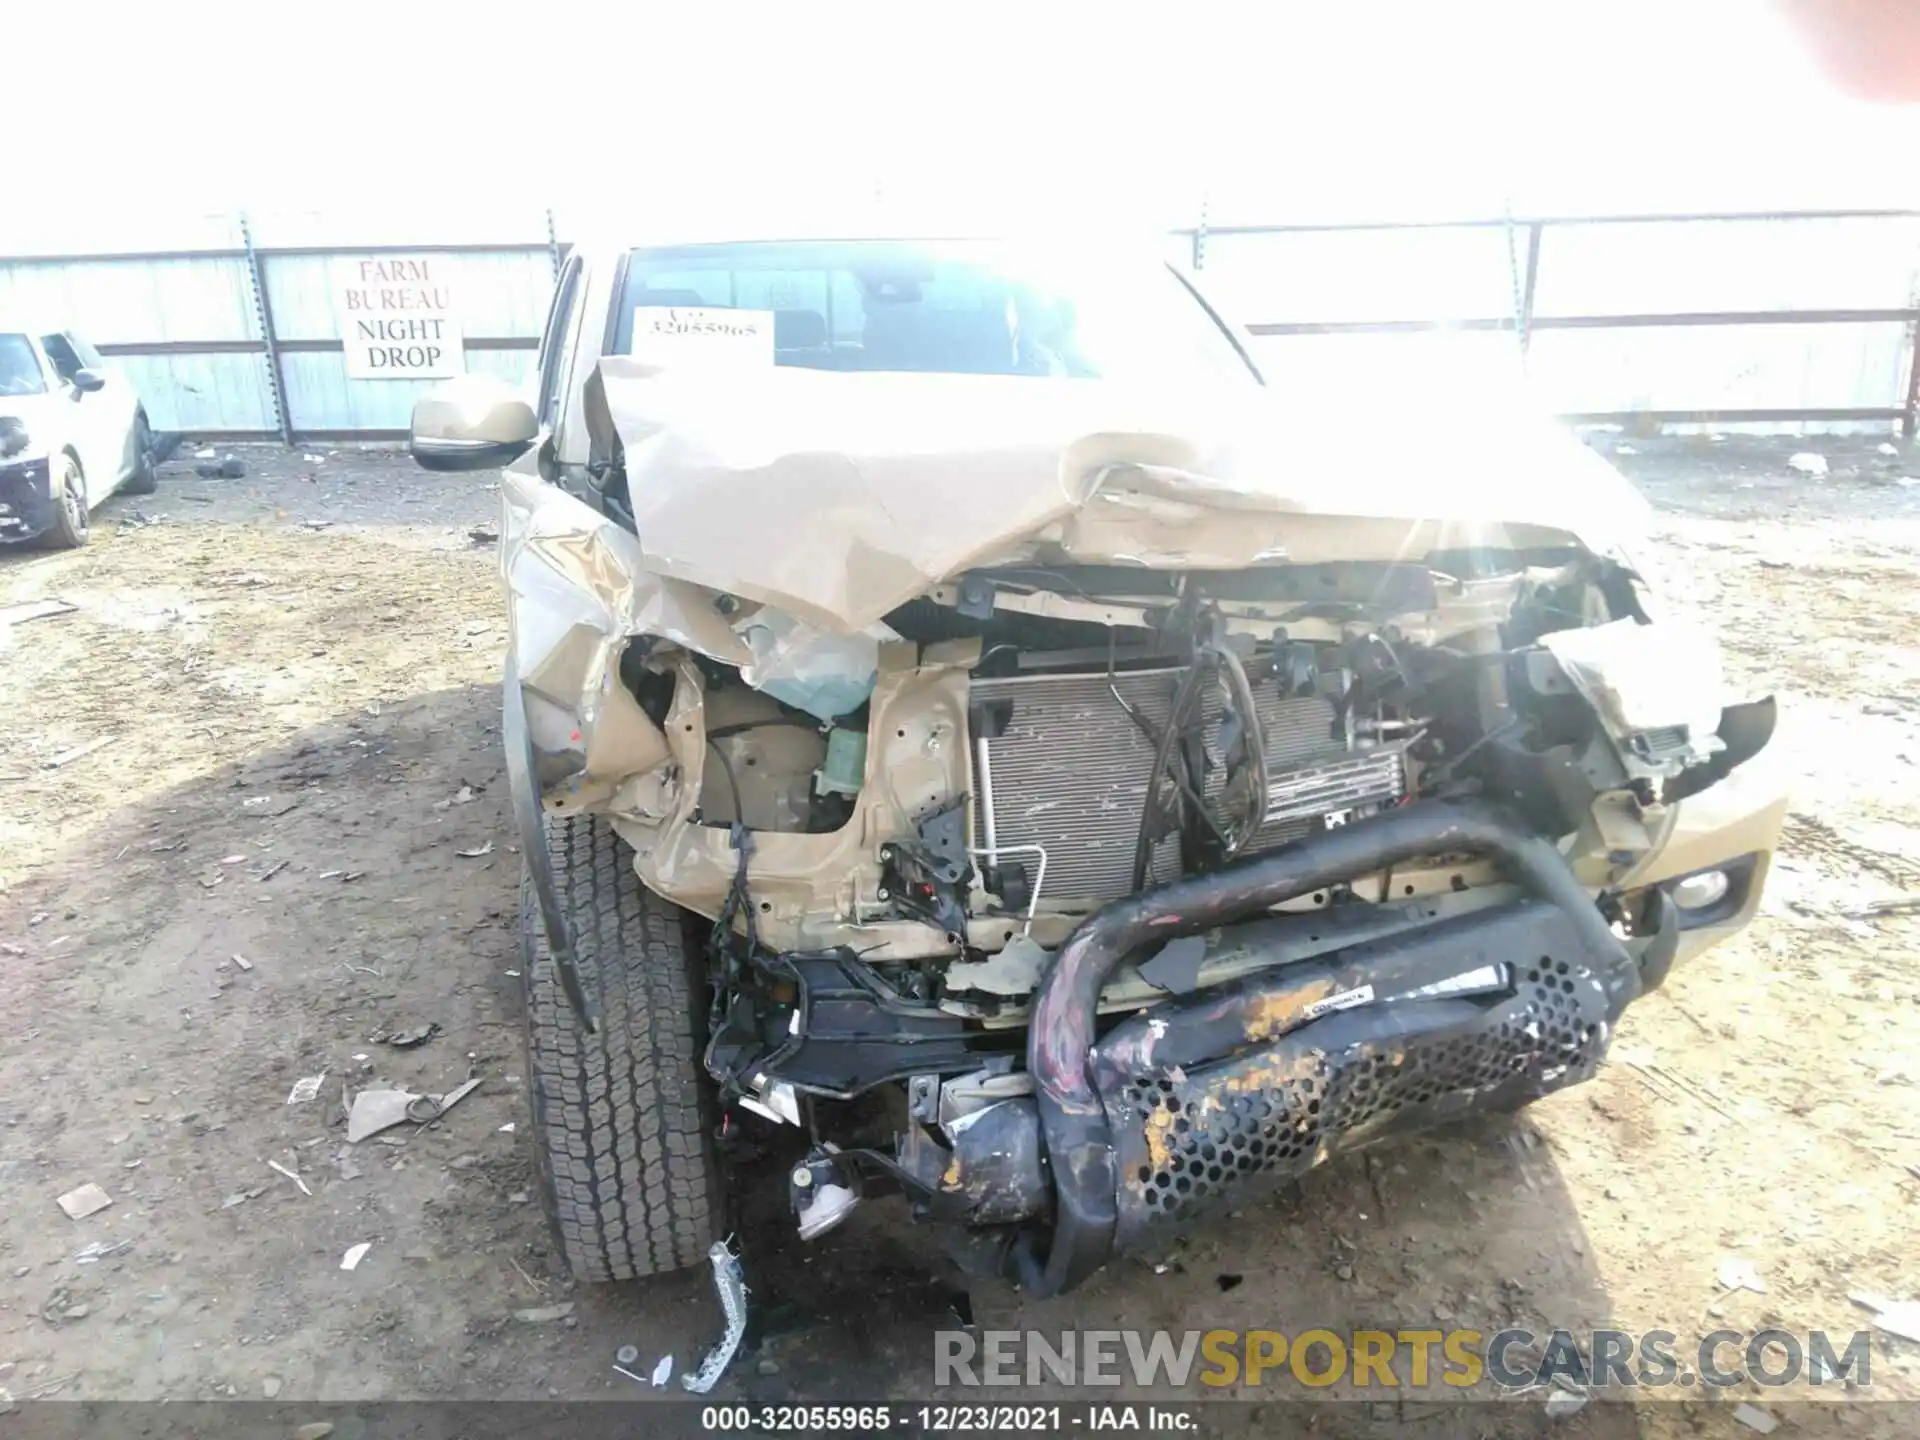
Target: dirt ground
x=295 y=677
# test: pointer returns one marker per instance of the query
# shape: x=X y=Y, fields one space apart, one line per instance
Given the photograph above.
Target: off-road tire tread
x=621 y=1117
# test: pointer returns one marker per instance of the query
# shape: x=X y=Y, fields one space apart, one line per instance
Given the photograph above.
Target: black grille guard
x=1061 y=1042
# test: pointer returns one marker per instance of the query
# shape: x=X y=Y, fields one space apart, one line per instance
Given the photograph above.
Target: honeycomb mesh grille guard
x=1081 y=1142
x=1191 y=1135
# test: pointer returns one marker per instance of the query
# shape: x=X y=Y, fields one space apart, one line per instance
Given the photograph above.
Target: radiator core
x=1070 y=773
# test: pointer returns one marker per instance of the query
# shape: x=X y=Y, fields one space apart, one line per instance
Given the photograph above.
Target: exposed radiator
x=1070 y=773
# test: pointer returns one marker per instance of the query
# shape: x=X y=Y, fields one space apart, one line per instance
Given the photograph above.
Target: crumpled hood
x=837 y=497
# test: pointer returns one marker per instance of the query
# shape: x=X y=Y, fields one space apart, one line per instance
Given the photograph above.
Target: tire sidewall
x=141 y=479
x=71 y=525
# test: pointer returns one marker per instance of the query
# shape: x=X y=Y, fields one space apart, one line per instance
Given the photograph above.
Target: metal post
x=1910 y=421
x=263 y=307
x=553 y=243
x=1531 y=282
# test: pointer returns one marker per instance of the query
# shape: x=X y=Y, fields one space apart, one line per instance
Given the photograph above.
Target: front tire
x=622 y=1117
x=141 y=479
x=70 y=527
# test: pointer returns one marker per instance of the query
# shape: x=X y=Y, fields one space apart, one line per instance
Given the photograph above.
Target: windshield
x=19 y=367
x=958 y=309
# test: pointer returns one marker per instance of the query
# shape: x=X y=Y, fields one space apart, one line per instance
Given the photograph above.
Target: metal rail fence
x=1524 y=238
x=241 y=340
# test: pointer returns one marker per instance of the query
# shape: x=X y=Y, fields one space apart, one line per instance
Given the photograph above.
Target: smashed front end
x=1149 y=817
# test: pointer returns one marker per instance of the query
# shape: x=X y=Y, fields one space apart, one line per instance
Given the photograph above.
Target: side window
x=553 y=343
x=66 y=361
x=89 y=356
x=19 y=367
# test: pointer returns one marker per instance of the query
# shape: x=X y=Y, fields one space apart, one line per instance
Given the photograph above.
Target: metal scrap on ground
x=731 y=1284
x=33 y=610
x=79 y=752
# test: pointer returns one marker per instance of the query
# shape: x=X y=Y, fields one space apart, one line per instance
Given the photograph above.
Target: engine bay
x=1097 y=731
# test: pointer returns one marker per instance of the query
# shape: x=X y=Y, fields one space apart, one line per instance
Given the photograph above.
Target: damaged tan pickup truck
x=957 y=710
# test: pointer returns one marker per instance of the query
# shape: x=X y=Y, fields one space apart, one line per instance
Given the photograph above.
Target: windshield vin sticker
x=1345 y=1000
x=698 y=335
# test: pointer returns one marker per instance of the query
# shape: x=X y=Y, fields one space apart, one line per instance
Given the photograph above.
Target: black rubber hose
x=1255 y=743
x=1162 y=755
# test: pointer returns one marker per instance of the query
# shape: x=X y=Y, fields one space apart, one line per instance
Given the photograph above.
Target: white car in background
x=72 y=433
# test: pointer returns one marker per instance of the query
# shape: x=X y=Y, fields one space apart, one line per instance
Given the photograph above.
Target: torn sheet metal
x=577 y=594
x=837 y=497
x=731 y=1285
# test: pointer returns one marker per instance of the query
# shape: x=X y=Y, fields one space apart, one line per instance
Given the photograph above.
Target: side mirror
x=473 y=422
x=88 y=381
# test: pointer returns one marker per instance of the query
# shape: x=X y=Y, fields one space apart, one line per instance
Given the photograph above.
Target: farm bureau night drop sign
x=397 y=320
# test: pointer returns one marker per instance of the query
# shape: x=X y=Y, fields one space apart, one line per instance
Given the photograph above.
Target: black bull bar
x=1213 y=1093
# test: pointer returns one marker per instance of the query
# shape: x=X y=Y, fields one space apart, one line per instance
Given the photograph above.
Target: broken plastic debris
x=544 y=1314
x=305 y=1088
x=1887 y=447
x=1738 y=1274
x=1808 y=463
x=417 y=1035
x=242 y=961
x=731 y=1285
x=1565 y=1402
x=376 y=1110
x=101 y=1250
x=663 y=1372
x=811 y=669
x=275 y=1165
x=507 y=1129
x=88 y=1199
x=459 y=1092
x=207 y=454
x=486 y=849
x=1896 y=1317
x=355 y=1255
x=1755 y=1419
